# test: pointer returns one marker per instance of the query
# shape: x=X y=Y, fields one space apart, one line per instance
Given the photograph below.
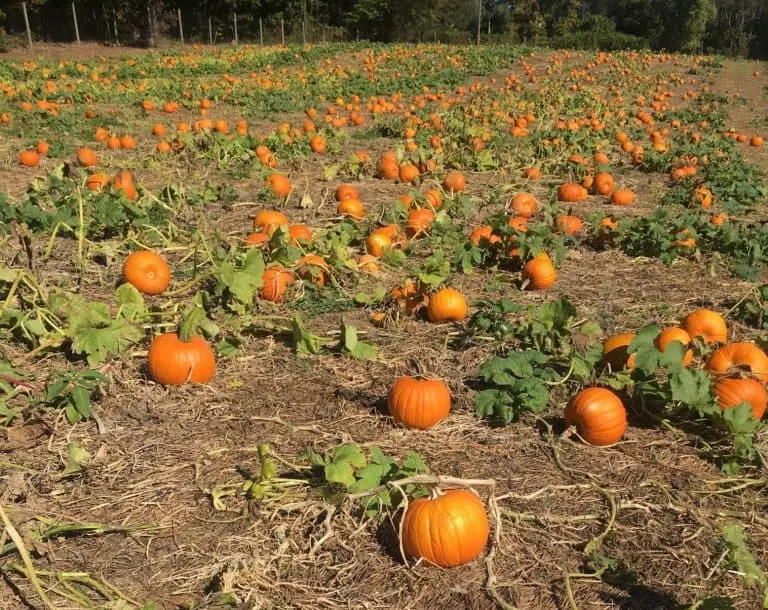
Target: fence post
x=74 y=18
x=236 y=41
x=210 y=31
x=181 y=28
x=151 y=25
x=304 y=23
x=114 y=25
x=26 y=21
x=282 y=31
x=261 y=32
x=479 y=19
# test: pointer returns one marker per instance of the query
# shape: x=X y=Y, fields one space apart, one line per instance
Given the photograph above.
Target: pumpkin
x=408 y=173
x=279 y=185
x=707 y=324
x=147 y=271
x=454 y=182
x=378 y=243
x=739 y=356
x=732 y=391
x=368 y=264
x=704 y=196
x=86 y=157
x=299 y=233
x=604 y=183
x=599 y=416
x=173 y=360
x=447 y=305
x=484 y=236
x=434 y=198
x=623 y=197
x=388 y=167
x=419 y=403
x=128 y=142
x=448 y=530
x=29 y=158
x=313 y=268
x=346 y=191
x=571 y=192
x=532 y=173
x=351 y=207
x=113 y=143
x=757 y=142
x=163 y=147
x=615 y=352
x=96 y=182
x=318 y=144
x=524 y=204
x=42 y=147
x=570 y=225
x=668 y=336
x=539 y=273
x=419 y=222
x=269 y=221
x=276 y=280
x=256 y=240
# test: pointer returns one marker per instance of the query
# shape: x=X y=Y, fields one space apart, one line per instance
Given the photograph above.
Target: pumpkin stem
x=436 y=493
x=418 y=367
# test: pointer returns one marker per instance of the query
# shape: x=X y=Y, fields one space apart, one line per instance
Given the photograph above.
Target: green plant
x=73 y=391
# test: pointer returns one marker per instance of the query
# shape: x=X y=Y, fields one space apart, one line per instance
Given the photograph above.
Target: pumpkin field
x=382 y=326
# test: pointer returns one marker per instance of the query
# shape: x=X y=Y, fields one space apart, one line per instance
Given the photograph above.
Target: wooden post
x=236 y=41
x=261 y=32
x=282 y=32
x=210 y=31
x=74 y=18
x=181 y=28
x=304 y=23
x=114 y=25
x=479 y=19
x=26 y=21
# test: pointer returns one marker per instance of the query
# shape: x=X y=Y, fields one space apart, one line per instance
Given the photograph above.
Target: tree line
x=731 y=27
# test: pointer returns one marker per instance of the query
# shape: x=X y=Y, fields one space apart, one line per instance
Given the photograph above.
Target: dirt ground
x=655 y=502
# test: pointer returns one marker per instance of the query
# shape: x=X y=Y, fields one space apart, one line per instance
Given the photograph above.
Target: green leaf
x=229 y=347
x=304 y=341
x=94 y=333
x=131 y=301
x=340 y=472
x=414 y=463
x=350 y=453
x=690 y=387
x=81 y=399
x=352 y=346
x=368 y=477
x=741 y=558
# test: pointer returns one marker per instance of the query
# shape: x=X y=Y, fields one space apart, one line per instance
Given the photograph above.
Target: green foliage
x=72 y=391
x=743 y=561
x=346 y=469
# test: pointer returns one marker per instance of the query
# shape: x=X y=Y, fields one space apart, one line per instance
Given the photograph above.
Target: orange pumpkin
x=346 y=191
x=668 y=336
x=434 y=198
x=484 y=236
x=623 y=197
x=599 y=416
x=739 y=356
x=279 y=185
x=570 y=225
x=419 y=222
x=29 y=158
x=706 y=324
x=174 y=361
x=539 y=273
x=419 y=403
x=524 y=204
x=455 y=182
x=408 y=173
x=147 y=271
x=571 y=192
x=300 y=233
x=615 y=352
x=447 y=305
x=96 y=182
x=604 y=183
x=448 y=530
x=732 y=391
x=313 y=268
x=351 y=207
x=378 y=243
x=269 y=221
x=276 y=280
x=86 y=157
x=368 y=263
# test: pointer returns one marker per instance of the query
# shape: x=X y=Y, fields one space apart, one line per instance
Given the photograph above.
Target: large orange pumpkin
x=276 y=280
x=732 y=391
x=455 y=182
x=599 y=416
x=571 y=192
x=539 y=272
x=739 y=356
x=173 y=361
x=668 y=336
x=419 y=403
x=147 y=271
x=447 y=530
x=269 y=221
x=419 y=222
x=524 y=204
x=447 y=305
x=707 y=324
